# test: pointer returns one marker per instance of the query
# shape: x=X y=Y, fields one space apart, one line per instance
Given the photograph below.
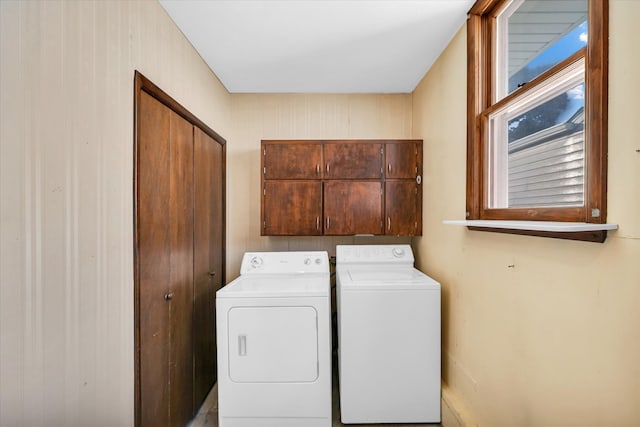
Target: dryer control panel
x=285 y=262
x=374 y=254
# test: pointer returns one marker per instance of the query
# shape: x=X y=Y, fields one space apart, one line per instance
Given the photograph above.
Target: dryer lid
x=283 y=286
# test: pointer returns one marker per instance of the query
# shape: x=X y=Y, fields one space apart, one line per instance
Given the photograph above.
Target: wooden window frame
x=481 y=28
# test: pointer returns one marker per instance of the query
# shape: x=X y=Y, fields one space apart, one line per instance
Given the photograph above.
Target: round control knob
x=318 y=261
x=256 y=262
x=398 y=252
x=307 y=261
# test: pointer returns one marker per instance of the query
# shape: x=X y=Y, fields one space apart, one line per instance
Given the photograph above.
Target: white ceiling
x=319 y=46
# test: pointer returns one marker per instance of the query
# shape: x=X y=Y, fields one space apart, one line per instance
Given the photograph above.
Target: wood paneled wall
x=298 y=116
x=66 y=213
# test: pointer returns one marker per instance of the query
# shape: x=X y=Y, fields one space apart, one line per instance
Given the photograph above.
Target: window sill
x=560 y=230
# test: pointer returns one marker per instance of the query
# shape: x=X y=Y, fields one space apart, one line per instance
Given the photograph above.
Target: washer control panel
x=371 y=254
x=285 y=262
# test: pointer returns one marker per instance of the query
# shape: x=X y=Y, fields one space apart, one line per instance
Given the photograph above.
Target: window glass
x=557 y=111
x=537 y=151
x=535 y=35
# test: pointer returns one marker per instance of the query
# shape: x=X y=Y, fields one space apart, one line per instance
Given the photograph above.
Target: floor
x=208 y=414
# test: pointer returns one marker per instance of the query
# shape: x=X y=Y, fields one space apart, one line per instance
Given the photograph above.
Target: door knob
x=168 y=296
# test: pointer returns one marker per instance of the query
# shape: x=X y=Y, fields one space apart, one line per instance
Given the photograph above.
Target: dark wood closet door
x=179 y=256
x=165 y=256
x=181 y=303
x=154 y=260
x=207 y=264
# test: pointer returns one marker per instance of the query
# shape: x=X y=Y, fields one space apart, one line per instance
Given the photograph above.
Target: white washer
x=388 y=336
x=274 y=342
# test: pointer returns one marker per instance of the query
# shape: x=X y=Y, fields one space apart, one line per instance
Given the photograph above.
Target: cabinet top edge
x=321 y=141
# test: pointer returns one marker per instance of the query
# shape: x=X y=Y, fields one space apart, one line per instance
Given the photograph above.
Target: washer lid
x=385 y=279
x=273 y=285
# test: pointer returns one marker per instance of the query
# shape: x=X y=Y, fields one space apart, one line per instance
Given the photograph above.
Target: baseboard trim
x=454 y=412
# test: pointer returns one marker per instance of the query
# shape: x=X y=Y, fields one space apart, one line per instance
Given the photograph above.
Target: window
x=537 y=110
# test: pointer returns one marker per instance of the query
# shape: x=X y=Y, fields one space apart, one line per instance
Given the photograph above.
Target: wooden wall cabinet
x=341 y=187
x=403 y=188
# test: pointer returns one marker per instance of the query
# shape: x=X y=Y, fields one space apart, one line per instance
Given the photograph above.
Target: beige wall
x=257 y=117
x=66 y=214
x=554 y=340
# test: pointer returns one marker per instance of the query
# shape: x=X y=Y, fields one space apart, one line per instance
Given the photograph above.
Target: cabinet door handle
x=317 y=223
x=327 y=168
x=317 y=168
x=388 y=223
x=168 y=296
x=389 y=167
x=212 y=273
x=328 y=223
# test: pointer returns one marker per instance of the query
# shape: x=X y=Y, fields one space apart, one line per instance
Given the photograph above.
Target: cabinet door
x=403 y=208
x=352 y=207
x=291 y=160
x=402 y=159
x=207 y=262
x=292 y=208
x=353 y=160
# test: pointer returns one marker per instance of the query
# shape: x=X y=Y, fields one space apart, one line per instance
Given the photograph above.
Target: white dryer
x=274 y=342
x=388 y=336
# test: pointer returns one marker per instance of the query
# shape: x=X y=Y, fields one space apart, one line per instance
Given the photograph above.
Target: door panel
x=218 y=230
x=273 y=344
x=401 y=160
x=295 y=160
x=181 y=226
x=401 y=207
x=352 y=160
x=352 y=207
x=153 y=258
x=206 y=264
x=292 y=208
